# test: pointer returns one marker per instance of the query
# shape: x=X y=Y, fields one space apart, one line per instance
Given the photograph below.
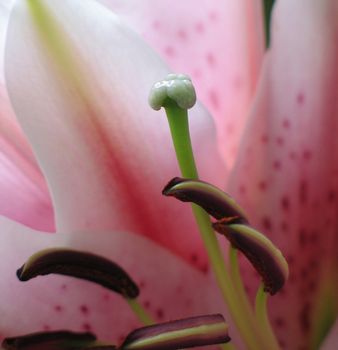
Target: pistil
x=176 y=94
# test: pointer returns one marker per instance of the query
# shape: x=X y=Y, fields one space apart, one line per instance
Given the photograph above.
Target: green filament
x=140 y=312
x=263 y=319
x=227 y=346
x=268 y=5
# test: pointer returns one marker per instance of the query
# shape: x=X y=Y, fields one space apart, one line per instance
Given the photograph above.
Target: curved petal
x=79 y=81
x=286 y=174
x=23 y=191
x=219 y=43
x=59 y=302
x=5 y=7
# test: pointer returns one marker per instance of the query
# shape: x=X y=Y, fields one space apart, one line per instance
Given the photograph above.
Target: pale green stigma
x=175 y=87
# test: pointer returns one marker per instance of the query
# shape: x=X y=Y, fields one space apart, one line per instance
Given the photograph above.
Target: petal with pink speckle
x=61 y=302
x=286 y=173
x=83 y=105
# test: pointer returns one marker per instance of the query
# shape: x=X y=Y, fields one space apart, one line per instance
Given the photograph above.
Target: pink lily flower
x=81 y=102
x=105 y=157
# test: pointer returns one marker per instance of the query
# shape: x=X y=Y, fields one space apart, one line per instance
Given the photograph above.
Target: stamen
x=185 y=333
x=81 y=265
x=266 y=258
x=214 y=201
x=57 y=340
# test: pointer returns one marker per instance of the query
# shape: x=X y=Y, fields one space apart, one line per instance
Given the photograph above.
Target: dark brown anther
x=57 y=340
x=180 y=334
x=214 y=201
x=81 y=265
x=265 y=257
x=100 y=347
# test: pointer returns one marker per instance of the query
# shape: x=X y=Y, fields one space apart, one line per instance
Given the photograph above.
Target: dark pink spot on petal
x=211 y=59
x=86 y=327
x=277 y=165
x=106 y=296
x=199 y=27
x=300 y=98
x=214 y=99
x=264 y=138
x=242 y=189
x=156 y=25
x=63 y=287
x=84 y=309
x=331 y=196
x=160 y=313
x=286 y=124
x=267 y=224
x=147 y=304
x=58 y=308
x=285 y=203
x=205 y=269
x=169 y=51
x=182 y=34
x=262 y=185
x=307 y=154
x=279 y=322
x=46 y=327
x=280 y=141
x=303 y=191
x=194 y=258
x=213 y=16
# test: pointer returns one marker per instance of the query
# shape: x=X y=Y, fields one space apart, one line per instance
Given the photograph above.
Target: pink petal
x=24 y=194
x=170 y=288
x=5 y=7
x=23 y=191
x=286 y=174
x=219 y=43
x=105 y=153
